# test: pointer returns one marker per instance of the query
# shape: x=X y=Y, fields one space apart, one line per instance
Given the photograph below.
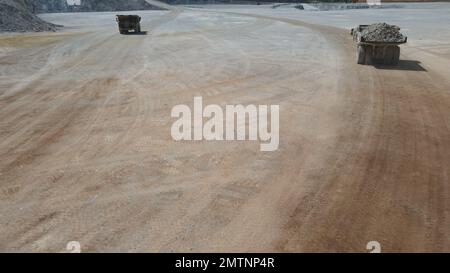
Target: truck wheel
x=388 y=55
x=369 y=54
x=395 y=55
x=361 y=54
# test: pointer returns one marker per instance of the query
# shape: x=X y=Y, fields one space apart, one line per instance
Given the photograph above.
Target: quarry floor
x=86 y=152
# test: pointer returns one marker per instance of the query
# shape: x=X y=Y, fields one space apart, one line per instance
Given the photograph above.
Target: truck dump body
x=129 y=23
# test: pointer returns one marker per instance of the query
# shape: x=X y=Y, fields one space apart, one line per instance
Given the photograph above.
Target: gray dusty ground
x=86 y=152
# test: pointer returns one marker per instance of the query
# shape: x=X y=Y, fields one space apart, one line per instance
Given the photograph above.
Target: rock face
x=43 y=6
x=114 y=5
x=17 y=16
x=20 y=15
x=382 y=32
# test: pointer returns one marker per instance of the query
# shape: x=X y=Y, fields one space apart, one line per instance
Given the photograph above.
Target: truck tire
x=395 y=55
x=361 y=54
x=388 y=55
x=369 y=55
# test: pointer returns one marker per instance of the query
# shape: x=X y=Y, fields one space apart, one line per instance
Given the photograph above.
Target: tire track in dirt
x=367 y=193
x=359 y=159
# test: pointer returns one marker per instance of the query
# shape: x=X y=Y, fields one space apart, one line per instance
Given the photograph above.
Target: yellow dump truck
x=376 y=51
x=129 y=23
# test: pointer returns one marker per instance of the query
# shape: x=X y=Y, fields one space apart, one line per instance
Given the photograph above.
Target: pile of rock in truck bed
x=382 y=32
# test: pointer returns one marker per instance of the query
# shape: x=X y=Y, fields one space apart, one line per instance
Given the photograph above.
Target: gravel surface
x=86 y=152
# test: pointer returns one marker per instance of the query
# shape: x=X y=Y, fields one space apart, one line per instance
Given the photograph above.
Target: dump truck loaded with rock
x=378 y=43
x=129 y=23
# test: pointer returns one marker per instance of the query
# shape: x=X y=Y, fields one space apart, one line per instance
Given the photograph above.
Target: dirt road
x=86 y=152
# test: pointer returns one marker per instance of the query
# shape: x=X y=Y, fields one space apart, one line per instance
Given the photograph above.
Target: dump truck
x=129 y=23
x=376 y=51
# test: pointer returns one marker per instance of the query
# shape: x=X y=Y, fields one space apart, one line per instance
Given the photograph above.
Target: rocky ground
x=20 y=15
x=16 y=16
x=115 y=5
x=86 y=152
